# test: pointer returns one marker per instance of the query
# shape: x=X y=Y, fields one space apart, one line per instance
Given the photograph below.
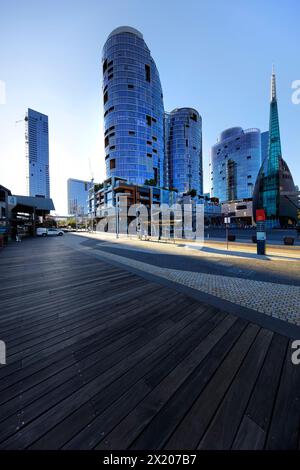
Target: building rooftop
x=39 y=203
x=125 y=29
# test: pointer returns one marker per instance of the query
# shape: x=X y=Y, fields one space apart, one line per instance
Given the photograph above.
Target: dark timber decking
x=98 y=357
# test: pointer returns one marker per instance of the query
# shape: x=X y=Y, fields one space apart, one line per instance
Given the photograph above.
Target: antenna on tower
x=91 y=171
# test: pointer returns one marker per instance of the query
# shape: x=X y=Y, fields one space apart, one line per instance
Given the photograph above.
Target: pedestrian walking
x=18 y=235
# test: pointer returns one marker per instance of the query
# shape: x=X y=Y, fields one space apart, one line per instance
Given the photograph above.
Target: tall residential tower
x=37 y=154
x=183 y=145
x=235 y=163
x=133 y=109
x=78 y=195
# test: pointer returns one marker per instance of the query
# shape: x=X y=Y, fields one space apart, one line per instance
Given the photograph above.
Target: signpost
x=227 y=222
x=261 y=231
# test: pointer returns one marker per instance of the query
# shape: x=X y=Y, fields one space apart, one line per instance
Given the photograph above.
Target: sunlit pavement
x=271 y=297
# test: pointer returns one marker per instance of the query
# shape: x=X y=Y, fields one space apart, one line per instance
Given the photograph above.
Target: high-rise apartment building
x=133 y=109
x=235 y=163
x=78 y=195
x=183 y=150
x=37 y=154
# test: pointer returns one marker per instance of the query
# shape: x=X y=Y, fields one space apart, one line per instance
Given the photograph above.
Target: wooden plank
x=260 y=407
x=148 y=354
x=284 y=429
x=191 y=429
x=221 y=432
x=131 y=381
x=132 y=425
x=250 y=436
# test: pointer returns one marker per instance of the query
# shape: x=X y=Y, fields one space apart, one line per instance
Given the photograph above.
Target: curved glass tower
x=133 y=109
x=183 y=129
x=274 y=176
x=235 y=163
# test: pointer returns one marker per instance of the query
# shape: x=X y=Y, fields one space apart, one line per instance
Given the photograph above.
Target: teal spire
x=274 y=176
x=274 y=153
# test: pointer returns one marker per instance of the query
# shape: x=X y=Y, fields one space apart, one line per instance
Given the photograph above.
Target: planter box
x=288 y=240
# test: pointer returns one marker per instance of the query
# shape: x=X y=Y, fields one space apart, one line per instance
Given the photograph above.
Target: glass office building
x=37 y=154
x=133 y=109
x=274 y=177
x=183 y=140
x=235 y=163
x=78 y=195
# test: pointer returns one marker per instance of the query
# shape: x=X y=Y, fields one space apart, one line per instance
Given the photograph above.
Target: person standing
x=18 y=235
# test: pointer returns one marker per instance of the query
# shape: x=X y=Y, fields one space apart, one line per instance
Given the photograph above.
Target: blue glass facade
x=37 y=154
x=133 y=109
x=264 y=145
x=235 y=163
x=183 y=137
x=78 y=194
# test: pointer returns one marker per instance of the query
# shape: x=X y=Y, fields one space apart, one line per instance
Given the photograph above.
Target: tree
x=150 y=182
x=192 y=193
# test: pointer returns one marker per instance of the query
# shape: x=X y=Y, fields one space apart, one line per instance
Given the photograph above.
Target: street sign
x=261 y=236
x=260 y=215
x=12 y=200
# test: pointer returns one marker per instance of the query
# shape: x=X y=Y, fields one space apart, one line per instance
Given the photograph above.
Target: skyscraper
x=274 y=176
x=183 y=147
x=133 y=109
x=235 y=163
x=78 y=194
x=37 y=154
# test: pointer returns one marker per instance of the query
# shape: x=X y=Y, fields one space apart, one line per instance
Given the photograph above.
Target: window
x=249 y=157
x=110 y=63
x=112 y=147
x=130 y=87
x=148 y=119
x=249 y=176
x=194 y=117
x=186 y=143
x=149 y=155
x=110 y=76
x=153 y=119
x=147 y=73
x=154 y=150
x=106 y=157
x=105 y=97
x=110 y=70
x=154 y=138
x=155 y=174
x=112 y=164
x=149 y=142
x=106 y=141
x=105 y=65
x=131 y=132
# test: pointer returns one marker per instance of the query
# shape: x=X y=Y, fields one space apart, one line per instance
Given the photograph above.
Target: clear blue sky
x=214 y=55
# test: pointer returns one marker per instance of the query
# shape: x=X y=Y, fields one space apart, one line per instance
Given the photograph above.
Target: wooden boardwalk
x=98 y=357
